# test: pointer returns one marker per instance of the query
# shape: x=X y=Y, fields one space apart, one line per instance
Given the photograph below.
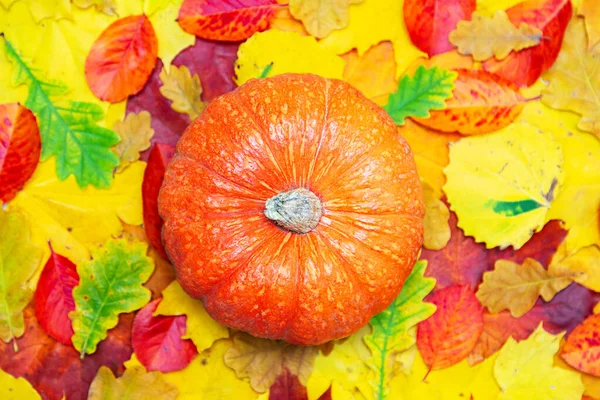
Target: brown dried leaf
x=135 y=132
x=183 y=89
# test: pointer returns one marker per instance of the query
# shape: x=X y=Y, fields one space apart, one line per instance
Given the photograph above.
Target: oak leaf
x=484 y=37
x=134 y=384
x=135 y=132
x=183 y=89
x=322 y=17
x=590 y=11
x=12 y=388
x=435 y=224
x=583 y=346
x=287 y=386
x=584 y=264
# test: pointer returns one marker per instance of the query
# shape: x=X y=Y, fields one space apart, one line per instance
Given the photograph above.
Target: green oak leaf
x=427 y=90
x=110 y=284
x=393 y=329
x=68 y=128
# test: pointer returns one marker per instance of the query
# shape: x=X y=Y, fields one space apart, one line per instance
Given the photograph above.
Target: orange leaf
x=19 y=148
x=482 y=102
x=228 y=20
x=122 y=59
x=582 y=349
x=591 y=12
x=450 y=334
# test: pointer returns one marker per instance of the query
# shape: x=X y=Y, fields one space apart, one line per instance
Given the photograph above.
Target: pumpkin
x=292 y=208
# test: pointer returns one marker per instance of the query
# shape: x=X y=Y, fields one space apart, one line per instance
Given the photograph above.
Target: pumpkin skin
x=274 y=135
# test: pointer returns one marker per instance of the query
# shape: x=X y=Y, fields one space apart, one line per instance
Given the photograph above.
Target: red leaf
x=54 y=369
x=20 y=147
x=450 y=334
x=429 y=22
x=582 y=349
x=122 y=59
x=160 y=155
x=54 y=297
x=228 y=20
x=287 y=386
x=157 y=341
x=524 y=67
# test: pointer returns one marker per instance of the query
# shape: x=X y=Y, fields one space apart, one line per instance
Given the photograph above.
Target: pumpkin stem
x=298 y=210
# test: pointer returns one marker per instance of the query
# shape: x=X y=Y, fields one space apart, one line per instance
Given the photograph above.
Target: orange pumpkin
x=293 y=209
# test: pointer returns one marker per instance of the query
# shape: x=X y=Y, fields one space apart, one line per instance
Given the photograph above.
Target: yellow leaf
x=135 y=384
x=371 y=22
x=516 y=287
x=56 y=9
x=108 y=7
x=489 y=7
x=321 y=17
x=525 y=370
x=12 y=388
x=208 y=377
x=263 y=360
x=73 y=219
x=183 y=89
x=135 y=132
x=575 y=79
x=201 y=328
x=501 y=185
x=584 y=263
x=171 y=38
x=285 y=52
x=484 y=37
x=591 y=12
x=437 y=231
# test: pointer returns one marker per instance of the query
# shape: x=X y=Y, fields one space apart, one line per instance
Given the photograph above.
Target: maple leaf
x=110 y=284
x=135 y=132
x=68 y=130
x=201 y=328
x=19 y=259
x=183 y=89
x=135 y=383
x=12 y=388
x=426 y=90
x=484 y=37
x=322 y=17
x=575 y=79
x=582 y=346
x=435 y=224
x=525 y=370
x=511 y=190
x=589 y=10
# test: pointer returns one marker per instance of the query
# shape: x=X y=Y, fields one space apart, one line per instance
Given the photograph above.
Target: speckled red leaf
x=524 y=67
x=157 y=341
x=122 y=59
x=481 y=102
x=229 y=20
x=20 y=147
x=54 y=369
x=160 y=155
x=450 y=334
x=582 y=349
x=463 y=261
x=287 y=386
x=54 y=297
x=429 y=22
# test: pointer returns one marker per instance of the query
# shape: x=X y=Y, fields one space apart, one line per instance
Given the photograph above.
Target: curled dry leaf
x=135 y=132
x=134 y=384
x=583 y=347
x=485 y=37
x=183 y=89
x=321 y=17
x=435 y=224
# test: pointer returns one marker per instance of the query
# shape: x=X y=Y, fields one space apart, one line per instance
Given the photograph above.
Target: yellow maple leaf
x=485 y=37
x=517 y=287
x=436 y=228
x=201 y=328
x=584 y=264
x=276 y=52
x=371 y=22
x=322 y=17
x=12 y=388
x=135 y=383
x=575 y=79
x=525 y=371
x=507 y=179
x=591 y=12
x=135 y=132
x=183 y=89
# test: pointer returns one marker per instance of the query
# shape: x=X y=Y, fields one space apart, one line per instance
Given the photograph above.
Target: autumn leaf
x=107 y=7
x=525 y=370
x=426 y=90
x=201 y=328
x=19 y=259
x=575 y=79
x=183 y=89
x=12 y=388
x=584 y=265
x=286 y=52
x=322 y=17
x=581 y=349
x=481 y=102
x=435 y=225
x=287 y=386
x=508 y=179
x=135 y=132
x=134 y=384
x=19 y=148
x=485 y=37
x=589 y=10
x=429 y=22
x=391 y=327
x=110 y=284
x=116 y=69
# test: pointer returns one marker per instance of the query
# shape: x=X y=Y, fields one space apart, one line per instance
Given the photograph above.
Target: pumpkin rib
x=313 y=161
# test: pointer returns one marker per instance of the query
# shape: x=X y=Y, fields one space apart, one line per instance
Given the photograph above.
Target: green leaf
x=68 y=128
x=19 y=260
x=392 y=328
x=110 y=284
x=427 y=90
